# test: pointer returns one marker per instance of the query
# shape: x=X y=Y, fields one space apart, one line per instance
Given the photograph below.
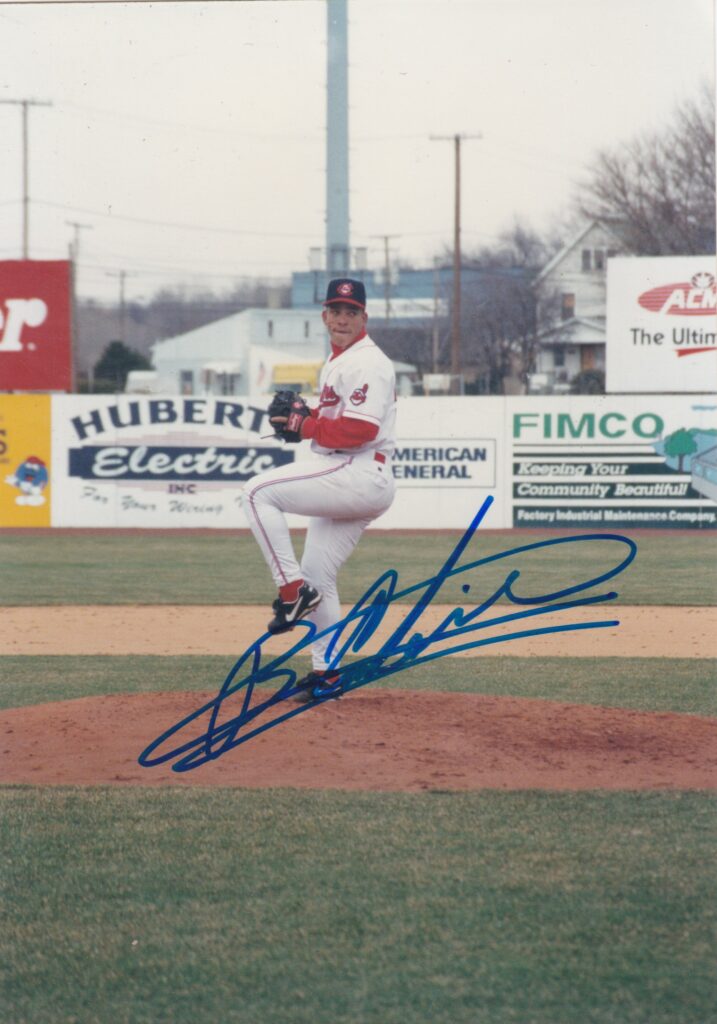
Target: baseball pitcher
x=345 y=485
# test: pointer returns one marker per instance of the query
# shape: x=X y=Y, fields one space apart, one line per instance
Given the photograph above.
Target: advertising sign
x=576 y=462
x=163 y=462
x=446 y=462
x=661 y=324
x=614 y=462
x=448 y=459
x=26 y=470
x=175 y=461
x=35 y=325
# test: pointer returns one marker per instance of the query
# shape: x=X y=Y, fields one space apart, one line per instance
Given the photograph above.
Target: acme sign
x=659 y=310
x=696 y=297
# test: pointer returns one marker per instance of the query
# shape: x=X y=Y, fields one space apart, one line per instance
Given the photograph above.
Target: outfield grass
x=147 y=906
x=647 y=684
x=680 y=569
x=165 y=906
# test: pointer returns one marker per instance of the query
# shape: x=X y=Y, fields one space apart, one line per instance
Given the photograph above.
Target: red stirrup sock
x=290 y=591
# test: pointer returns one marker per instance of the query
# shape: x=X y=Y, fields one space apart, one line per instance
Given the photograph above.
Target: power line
x=184 y=126
x=99 y=268
x=67 y=105
x=175 y=224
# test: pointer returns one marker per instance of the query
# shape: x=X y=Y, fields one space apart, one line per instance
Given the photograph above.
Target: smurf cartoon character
x=31 y=479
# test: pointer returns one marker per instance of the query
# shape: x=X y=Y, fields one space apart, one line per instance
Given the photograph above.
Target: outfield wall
x=140 y=461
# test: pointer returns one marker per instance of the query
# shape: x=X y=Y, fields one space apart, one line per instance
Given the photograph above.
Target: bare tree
x=498 y=328
x=408 y=342
x=660 y=189
x=519 y=246
x=498 y=311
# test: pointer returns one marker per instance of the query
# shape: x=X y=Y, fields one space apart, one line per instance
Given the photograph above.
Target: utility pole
x=122 y=275
x=456 y=361
x=386 y=271
x=74 y=259
x=434 y=338
x=25 y=104
x=75 y=243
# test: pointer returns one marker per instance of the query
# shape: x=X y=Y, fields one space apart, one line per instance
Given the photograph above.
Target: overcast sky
x=207 y=120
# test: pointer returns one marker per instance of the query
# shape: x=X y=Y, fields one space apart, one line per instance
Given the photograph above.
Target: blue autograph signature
x=400 y=651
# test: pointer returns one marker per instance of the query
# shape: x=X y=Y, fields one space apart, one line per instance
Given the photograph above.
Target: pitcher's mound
x=371 y=740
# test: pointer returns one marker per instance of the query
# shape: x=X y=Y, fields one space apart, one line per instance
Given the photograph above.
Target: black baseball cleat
x=287 y=613
x=317 y=685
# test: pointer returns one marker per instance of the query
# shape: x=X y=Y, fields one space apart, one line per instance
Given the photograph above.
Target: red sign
x=35 y=326
x=686 y=298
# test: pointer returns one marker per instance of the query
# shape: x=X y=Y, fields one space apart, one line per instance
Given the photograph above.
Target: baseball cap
x=346 y=289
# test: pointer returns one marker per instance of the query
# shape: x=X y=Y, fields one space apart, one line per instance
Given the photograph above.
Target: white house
x=572 y=296
x=249 y=353
x=238 y=354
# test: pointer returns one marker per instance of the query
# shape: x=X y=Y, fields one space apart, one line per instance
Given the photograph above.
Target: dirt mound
x=370 y=740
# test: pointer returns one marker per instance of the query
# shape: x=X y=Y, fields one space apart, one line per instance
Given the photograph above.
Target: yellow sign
x=297 y=374
x=25 y=460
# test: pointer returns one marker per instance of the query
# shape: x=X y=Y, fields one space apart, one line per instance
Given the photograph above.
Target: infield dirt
x=371 y=740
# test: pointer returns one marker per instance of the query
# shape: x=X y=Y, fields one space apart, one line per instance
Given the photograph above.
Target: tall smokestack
x=337 y=139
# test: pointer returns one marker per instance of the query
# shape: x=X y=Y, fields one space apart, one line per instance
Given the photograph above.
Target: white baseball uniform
x=342 y=490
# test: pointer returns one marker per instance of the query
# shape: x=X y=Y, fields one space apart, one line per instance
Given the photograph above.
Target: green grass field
x=334 y=908
x=687 y=685
x=159 y=906
x=162 y=568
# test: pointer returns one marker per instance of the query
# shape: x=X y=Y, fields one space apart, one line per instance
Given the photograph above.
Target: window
x=226 y=384
x=558 y=356
x=306 y=328
x=567 y=305
x=587 y=262
x=599 y=259
x=186 y=382
x=270 y=328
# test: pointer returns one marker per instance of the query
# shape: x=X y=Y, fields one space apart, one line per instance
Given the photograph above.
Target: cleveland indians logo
x=359 y=395
x=328 y=397
x=345 y=289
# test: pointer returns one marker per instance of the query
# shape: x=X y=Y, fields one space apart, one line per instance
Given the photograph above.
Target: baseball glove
x=287 y=411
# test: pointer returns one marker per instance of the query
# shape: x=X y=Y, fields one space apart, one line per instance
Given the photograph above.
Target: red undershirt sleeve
x=343 y=432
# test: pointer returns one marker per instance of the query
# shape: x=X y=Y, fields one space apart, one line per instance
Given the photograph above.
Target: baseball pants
x=341 y=494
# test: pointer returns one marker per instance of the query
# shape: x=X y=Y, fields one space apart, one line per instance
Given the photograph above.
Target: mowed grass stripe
x=647 y=684
x=167 y=568
x=140 y=906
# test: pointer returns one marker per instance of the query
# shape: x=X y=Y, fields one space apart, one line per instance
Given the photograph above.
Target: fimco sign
x=661 y=324
x=614 y=462
x=35 y=331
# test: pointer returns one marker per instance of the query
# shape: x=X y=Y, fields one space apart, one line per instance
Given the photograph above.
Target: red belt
x=377 y=456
